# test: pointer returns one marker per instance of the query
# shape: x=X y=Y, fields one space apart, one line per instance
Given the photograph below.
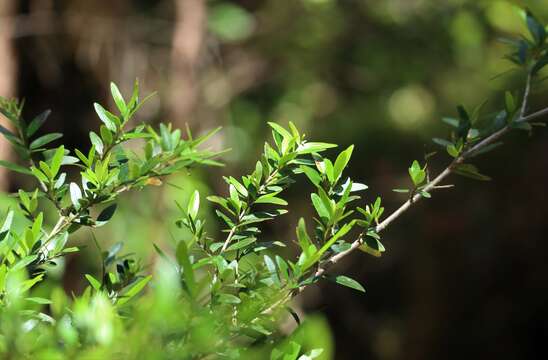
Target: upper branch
x=491 y=139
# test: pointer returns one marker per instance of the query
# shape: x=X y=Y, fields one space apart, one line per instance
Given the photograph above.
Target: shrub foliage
x=209 y=297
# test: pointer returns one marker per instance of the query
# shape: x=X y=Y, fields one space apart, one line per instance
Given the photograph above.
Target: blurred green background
x=465 y=273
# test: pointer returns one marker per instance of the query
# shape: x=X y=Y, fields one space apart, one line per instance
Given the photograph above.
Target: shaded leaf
x=37 y=123
x=134 y=290
x=348 y=282
x=44 y=140
x=93 y=282
x=15 y=167
x=106 y=214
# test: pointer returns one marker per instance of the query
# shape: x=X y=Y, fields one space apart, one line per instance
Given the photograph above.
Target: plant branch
x=438 y=179
x=242 y=214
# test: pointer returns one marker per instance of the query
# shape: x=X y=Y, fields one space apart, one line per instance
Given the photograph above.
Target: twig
x=229 y=237
x=246 y=211
x=442 y=176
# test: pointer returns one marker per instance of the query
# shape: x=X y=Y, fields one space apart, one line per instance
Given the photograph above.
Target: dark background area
x=465 y=273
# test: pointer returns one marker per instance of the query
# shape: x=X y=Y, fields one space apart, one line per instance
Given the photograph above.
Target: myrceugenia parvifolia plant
x=214 y=297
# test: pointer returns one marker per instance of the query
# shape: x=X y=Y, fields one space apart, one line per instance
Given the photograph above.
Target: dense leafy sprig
x=106 y=171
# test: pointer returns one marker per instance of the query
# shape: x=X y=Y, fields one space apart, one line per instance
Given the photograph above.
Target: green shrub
x=207 y=297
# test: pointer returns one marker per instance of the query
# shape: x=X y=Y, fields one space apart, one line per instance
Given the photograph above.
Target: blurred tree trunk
x=8 y=69
x=188 y=39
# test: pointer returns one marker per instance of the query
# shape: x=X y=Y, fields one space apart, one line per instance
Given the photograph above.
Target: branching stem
x=433 y=184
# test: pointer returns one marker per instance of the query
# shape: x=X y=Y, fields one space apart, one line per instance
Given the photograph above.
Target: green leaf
x=57 y=160
x=341 y=162
x=234 y=196
x=6 y=132
x=442 y=142
x=358 y=187
x=417 y=173
x=15 y=167
x=134 y=290
x=134 y=96
x=39 y=300
x=23 y=263
x=9 y=114
x=37 y=123
x=302 y=235
x=37 y=226
x=329 y=170
x=106 y=135
x=69 y=160
x=452 y=150
x=118 y=99
x=372 y=245
x=75 y=195
x=206 y=136
x=93 y=282
x=46 y=169
x=186 y=266
x=451 y=121
x=536 y=29
x=38 y=174
x=106 y=215
x=268 y=199
x=241 y=189
x=283 y=268
x=294 y=130
x=509 y=102
x=287 y=351
x=317 y=256
x=219 y=200
x=194 y=204
x=312 y=175
x=258 y=173
x=82 y=157
x=348 y=282
x=228 y=299
x=24 y=198
x=311 y=147
x=44 y=140
x=319 y=206
x=241 y=244
x=13 y=139
x=106 y=117
x=141 y=103
x=326 y=201
x=97 y=142
x=70 y=250
x=269 y=264
x=7 y=222
x=280 y=130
